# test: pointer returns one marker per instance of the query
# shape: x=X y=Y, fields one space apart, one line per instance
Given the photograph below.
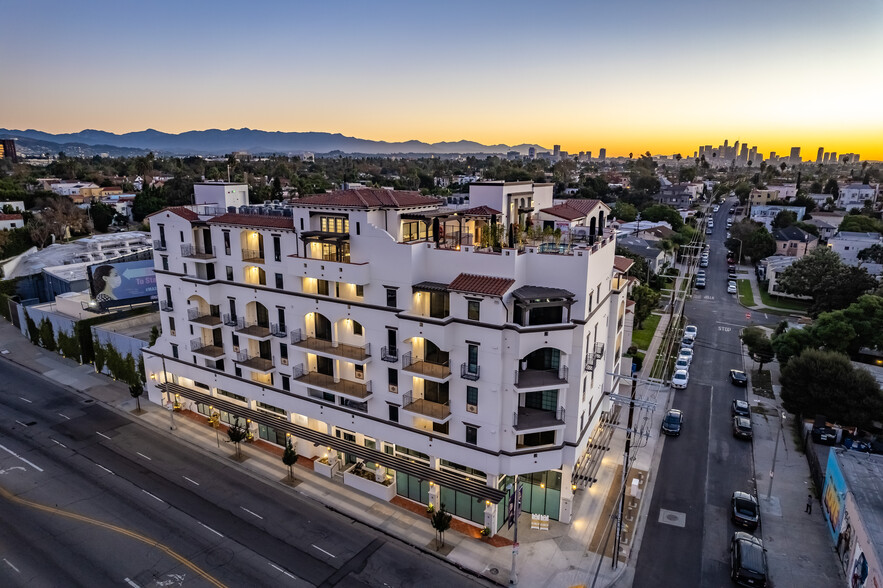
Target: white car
x=680 y=379
x=687 y=354
x=731 y=288
x=691 y=331
x=716 y=207
x=682 y=363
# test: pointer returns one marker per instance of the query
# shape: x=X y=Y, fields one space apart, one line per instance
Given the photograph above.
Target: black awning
x=399 y=464
x=528 y=293
x=429 y=287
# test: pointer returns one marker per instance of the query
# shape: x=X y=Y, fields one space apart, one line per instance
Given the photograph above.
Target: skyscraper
x=602 y=154
x=743 y=155
x=532 y=152
x=7 y=149
x=556 y=150
x=833 y=158
x=820 y=154
x=795 y=155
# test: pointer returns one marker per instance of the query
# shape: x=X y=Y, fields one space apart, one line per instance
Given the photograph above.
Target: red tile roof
x=573 y=208
x=622 y=264
x=368 y=198
x=181 y=211
x=10 y=217
x=478 y=211
x=584 y=205
x=254 y=220
x=481 y=284
x=564 y=211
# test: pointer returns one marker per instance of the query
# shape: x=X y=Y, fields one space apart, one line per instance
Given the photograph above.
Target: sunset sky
x=627 y=75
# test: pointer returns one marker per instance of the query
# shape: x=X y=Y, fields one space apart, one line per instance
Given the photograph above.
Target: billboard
x=834 y=493
x=116 y=284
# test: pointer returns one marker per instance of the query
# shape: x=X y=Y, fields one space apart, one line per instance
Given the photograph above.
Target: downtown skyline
x=630 y=77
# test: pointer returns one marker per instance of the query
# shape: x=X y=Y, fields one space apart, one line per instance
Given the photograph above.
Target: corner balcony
x=358 y=354
x=356 y=390
x=195 y=315
x=200 y=253
x=526 y=379
x=530 y=419
x=201 y=347
x=253 y=329
x=434 y=411
x=252 y=256
x=426 y=369
x=255 y=363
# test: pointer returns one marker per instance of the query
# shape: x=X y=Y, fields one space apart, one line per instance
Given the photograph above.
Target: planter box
x=323 y=469
x=375 y=489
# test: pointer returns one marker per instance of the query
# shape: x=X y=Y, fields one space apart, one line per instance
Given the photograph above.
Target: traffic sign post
x=748 y=315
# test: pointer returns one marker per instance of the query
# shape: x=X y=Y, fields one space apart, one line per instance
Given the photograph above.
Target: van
x=747 y=560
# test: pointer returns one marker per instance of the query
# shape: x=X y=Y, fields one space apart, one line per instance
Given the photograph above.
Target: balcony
x=358 y=390
x=253 y=329
x=253 y=256
x=159 y=245
x=434 y=411
x=534 y=418
x=324 y=347
x=195 y=252
x=470 y=372
x=231 y=320
x=390 y=354
x=166 y=306
x=539 y=378
x=195 y=315
x=278 y=330
x=208 y=349
x=256 y=363
x=426 y=369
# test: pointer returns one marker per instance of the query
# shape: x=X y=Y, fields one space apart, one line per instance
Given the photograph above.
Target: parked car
x=748 y=565
x=703 y=263
x=709 y=231
x=672 y=421
x=686 y=353
x=742 y=427
x=691 y=331
x=682 y=363
x=680 y=379
x=687 y=342
x=732 y=276
x=716 y=207
x=700 y=283
x=744 y=511
x=741 y=408
x=738 y=377
x=731 y=288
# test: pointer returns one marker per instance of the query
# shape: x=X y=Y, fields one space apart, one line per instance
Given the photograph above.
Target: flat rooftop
x=100 y=247
x=863 y=473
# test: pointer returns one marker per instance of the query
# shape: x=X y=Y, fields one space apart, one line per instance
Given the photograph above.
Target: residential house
x=72 y=189
x=771 y=268
x=655 y=257
x=577 y=218
x=765 y=214
x=794 y=242
x=855 y=195
x=759 y=197
x=821 y=200
x=787 y=192
x=11 y=221
x=826 y=229
x=677 y=195
x=849 y=244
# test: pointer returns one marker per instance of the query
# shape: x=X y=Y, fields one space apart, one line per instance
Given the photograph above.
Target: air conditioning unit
x=284 y=361
x=393 y=388
x=236 y=349
x=172 y=333
x=473 y=408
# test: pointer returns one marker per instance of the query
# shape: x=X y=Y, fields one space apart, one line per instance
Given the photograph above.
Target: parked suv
x=747 y=560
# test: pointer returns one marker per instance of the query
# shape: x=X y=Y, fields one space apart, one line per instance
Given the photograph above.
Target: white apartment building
x=368 y=326
x=854 y=195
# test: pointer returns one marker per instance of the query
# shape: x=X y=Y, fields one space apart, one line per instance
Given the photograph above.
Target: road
x=687 y=533
x=88 y=497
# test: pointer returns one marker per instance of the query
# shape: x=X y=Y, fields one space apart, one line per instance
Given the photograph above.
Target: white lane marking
x=14 y=454
x=58 y=442
x=131 y=583
x=65 y=416
x=144 y=456
x=21 y=423
x=102 y=434
x=323 y=551
x=281 y=570
x=191 y=481
x=105 y=469
x=9 y=563
x=210 y=529
x=26 y=400
x=252 y=513
x=154 y=496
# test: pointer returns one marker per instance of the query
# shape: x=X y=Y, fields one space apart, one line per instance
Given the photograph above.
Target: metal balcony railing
x=390 y=354
x=434 y=410
x=530 y=378
x=351 y=352
x=535 y=418
x=197 y=252
x=252 y=328
x=206 y=348
x=278 y=330
x=470 y=372
x=591 y=360
x=197 y=315
x=425 y=368
x=253 y=362
x=253 y=255
x=231 y=320
x=159 y=245
x=167 y=306
x=360 y=390
x=599 y=350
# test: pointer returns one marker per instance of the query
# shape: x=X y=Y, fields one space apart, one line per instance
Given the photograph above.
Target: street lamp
x=775 y=452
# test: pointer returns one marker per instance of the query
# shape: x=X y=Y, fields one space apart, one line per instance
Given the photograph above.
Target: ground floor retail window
x=463 y=505
x=272 y=435
x=541 y=495
x=412 y=487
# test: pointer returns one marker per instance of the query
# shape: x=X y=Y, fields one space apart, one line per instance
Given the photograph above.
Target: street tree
x=663 y=212
x=624 y=211
x=825 y=382
x=646 y=299
x=874 y=254
x=441 y=522
x=102 y=215
x=135 y=391
x=760 y=348
x=289 y=457
x=835 y=331
x=824 y=277
x=832 y=188
x=237 y=434
x=858 y=223
x=784 y=219
x=791 y=343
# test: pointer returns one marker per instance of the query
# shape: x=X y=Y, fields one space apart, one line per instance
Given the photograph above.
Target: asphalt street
x=89 y=497
x=687 y=533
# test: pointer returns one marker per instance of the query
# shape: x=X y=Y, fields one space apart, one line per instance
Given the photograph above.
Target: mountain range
x=221 y=142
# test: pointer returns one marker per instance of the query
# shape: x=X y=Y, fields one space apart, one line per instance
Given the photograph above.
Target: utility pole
x=775 y=453
x=625 y=469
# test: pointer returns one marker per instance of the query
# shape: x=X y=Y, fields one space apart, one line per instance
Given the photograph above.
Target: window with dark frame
x=229 y=273
x=279 y=282
x=391 y=297
x=471 y=435
x=393 y=413
x=473 y=310
x=472 y=395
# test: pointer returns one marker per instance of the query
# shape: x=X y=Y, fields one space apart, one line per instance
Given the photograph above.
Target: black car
x=744 y=511
x=742 y=428
x=738 y=377
x=671 y=424
x=741 y=408
x=747 y=560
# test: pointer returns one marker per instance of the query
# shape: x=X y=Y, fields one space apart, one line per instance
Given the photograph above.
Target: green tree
x=624 y=211
x=33 y=329
x=646 y=299
x=824 y=277
x=825 y=382
x=237 y=434
x=47 y=335
x=858 y=223
x=102 y=215
x=289 y=457
x=663 y=212
x=135 y=391
x=154 y=335
x=791 y=343
x=866 y=318
x=832 y=188
x=874 y=254
x=784 y=219
x=760 y=348
x=441 y=522
x=835 y=330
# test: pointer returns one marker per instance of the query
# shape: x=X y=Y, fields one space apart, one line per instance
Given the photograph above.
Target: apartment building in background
x=378 y=326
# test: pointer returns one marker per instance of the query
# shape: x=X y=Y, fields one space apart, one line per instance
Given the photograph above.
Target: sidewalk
x=799 y=547
x=555 y=558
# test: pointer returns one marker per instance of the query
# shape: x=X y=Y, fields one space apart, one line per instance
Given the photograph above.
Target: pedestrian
x=809 y=504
